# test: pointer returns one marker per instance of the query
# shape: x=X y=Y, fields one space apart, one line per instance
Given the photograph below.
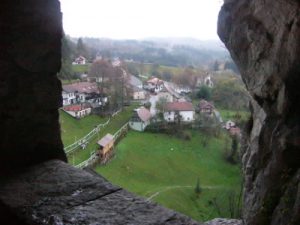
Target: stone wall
x=263 y=37
x=30 y=92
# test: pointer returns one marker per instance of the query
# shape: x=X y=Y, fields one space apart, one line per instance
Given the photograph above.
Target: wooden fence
x=83 y=141
x=93 y=158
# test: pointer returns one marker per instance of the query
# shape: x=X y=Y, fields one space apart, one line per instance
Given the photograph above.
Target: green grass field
x=165 y=169
x=230 y=115
x=81 y=68
x=73 y=129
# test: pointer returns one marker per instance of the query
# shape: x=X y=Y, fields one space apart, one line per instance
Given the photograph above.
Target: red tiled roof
x=82 y=87
x=205 y=104
x=234 y=131
x=155 y=81
x=144 y=114
x=75 y=108
x=179 y=106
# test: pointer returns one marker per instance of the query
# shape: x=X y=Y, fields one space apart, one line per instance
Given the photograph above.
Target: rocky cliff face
x=263 y=37
x=30 y=92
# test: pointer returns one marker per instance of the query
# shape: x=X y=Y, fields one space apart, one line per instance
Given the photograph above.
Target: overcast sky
x=136 y=19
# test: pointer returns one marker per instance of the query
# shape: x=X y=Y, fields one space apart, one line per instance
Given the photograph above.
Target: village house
x=206 y=107
x=205 y=81
x=79 y=61
x=138 y=93
x=78 y=111
x=229 y=124
x=106 y=147
x=235 y=131
x=154 y=85
x=140 y=119
x=68 y=97
x=169 y=90
x=183 y=111
x=83 y=92
x=116 y=62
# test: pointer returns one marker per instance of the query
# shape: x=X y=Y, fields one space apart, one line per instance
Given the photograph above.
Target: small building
x=184 y=110
x=68 y=97
x=138 y=93
x=79 y=61
x=205 y=80
x=206 y=107
x=140 y=119
x=78 y=111
x=235 y=131
x=82 y=92
x=154 y=84
x=229 y=124
x=106 y=147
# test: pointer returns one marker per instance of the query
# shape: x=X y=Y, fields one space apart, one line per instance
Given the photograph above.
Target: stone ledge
x=221 y=221
x=57 y=193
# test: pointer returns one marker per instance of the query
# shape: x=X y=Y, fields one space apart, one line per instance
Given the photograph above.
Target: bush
x=186 y=135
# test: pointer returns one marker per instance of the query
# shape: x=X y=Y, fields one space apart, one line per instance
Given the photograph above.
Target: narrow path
x=179 y=187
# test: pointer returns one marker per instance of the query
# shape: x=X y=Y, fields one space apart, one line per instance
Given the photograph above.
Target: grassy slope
x=73 y=129
x=230 y=114
x=145 y=164
x=80 y=68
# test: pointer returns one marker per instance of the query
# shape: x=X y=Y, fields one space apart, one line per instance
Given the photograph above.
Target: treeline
x=155 y=52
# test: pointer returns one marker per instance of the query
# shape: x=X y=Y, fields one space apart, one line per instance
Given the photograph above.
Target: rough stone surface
x=221 y=221
x=56 y=193
x=30 y=92
x=263 y=37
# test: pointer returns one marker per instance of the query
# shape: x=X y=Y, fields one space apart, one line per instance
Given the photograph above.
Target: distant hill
x=163 y=51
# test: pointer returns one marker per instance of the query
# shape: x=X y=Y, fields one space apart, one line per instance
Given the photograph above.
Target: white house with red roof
x=140 y=120
x=78 y=111
x=79 y=60
x=154 y=84
x=179 y=110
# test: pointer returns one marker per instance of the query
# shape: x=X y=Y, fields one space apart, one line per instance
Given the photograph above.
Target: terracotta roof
x=144 y=114
x=234 y=130
x=105 y=140
x=75 y=108
x=179 y=106
x=205 y=104
x=155 y=81
x=81 y=87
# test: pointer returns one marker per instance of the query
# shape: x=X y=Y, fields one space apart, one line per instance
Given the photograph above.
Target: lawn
x=165 y=169
x=73 y=129
x=230 y=114
x=81 y=68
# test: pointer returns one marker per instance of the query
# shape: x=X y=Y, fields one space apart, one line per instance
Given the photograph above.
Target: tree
x=82 y=49
x=132 y=69
x=198 y=189
x=66 y=71
x=229 y=92
x=160 y=104
x=234 y=149
x=204 y=92
x=167 y=75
